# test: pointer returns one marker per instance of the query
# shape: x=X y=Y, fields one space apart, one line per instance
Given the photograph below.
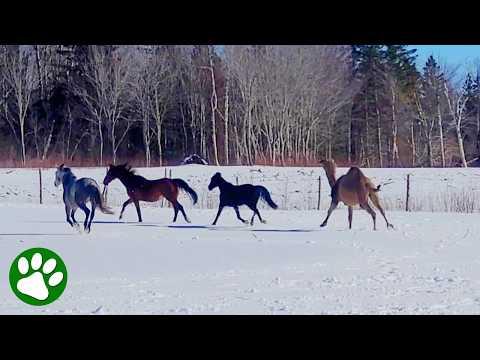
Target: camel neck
x=330 y=172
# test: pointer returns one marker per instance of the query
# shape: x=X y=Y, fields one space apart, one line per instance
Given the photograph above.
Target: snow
x=428 y=265
x=292 y=188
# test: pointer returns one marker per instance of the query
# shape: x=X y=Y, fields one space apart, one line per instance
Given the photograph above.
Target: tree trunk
x=440 y=129
x=226 y=120
x=101 y=141
x=394 y=132
x=379 y=131
x=460 y=146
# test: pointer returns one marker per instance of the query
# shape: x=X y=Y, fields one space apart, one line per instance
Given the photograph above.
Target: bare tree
x=456 y=101
x=108 y=76
x=18 y=75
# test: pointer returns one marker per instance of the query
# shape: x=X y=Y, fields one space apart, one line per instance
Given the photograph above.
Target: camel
x=353 y=188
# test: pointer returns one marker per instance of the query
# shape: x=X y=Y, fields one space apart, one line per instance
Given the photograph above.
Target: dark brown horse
x=141 y=189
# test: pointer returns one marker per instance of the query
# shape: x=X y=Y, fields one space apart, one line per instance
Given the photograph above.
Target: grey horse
x=76 y=193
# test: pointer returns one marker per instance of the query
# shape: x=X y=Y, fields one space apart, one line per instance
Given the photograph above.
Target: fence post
x=163 y=198
x=319 y=191
x=407 y=205
x=40 y=183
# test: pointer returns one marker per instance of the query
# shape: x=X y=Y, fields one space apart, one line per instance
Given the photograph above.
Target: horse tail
x=184 y=186
x=99 y=200
x=265 y=195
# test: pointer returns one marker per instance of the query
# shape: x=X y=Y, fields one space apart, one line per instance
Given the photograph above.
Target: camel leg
x=333 y=206
x=372 y=213
x=350 y=216
x=376 y=202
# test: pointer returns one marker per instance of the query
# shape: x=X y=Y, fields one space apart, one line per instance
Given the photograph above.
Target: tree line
x=250 y=104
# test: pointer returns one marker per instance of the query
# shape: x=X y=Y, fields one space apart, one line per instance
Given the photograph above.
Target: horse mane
x=127 y=169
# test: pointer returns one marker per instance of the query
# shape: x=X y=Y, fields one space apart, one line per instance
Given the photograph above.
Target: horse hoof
x=323 y=225
x=264 y=221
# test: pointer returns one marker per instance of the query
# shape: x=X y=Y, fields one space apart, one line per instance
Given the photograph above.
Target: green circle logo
x=38 y=276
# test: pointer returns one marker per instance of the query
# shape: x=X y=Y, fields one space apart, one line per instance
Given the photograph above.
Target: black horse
x=234 y=196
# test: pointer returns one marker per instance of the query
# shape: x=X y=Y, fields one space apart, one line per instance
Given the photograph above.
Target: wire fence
x=432 y=190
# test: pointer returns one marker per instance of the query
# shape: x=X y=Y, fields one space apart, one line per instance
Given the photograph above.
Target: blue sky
x=463 y=55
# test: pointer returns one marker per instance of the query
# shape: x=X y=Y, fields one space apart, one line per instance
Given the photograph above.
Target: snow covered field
x=429 y=265
x=292 y=188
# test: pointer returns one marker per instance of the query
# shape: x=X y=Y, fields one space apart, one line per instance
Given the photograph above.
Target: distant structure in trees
x=194 y=159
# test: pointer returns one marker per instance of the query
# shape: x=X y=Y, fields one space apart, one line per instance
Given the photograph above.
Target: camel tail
x=265 y=195
x=185 y=187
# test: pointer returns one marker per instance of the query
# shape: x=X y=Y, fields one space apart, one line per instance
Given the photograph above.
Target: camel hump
x=355 y=172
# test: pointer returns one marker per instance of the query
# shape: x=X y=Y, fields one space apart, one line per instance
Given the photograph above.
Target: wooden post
x=163 y=198
x=40 y=177
x=319 y=191
x=407 y=205
x=170 y=176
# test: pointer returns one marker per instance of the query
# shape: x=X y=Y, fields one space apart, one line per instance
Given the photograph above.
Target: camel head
x=328 y=164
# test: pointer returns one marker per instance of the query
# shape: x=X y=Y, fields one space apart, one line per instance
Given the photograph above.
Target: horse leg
x=180 y=207
x=128 y=202
x=238 y=215
x=259 y=216
x=72 y=215
x=350 y=216
x=372 y=213
x=376 y=202
x=137 y=205
x=67 y=212
x=92 y=214
x=220 y=208
x=175 y=209
x=333 y=206
x=256 y=212
x=87 y=213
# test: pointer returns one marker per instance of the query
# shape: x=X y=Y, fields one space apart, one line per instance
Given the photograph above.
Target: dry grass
x=459 y=201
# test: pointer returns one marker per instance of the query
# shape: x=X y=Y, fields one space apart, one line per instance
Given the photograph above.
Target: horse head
x=59 y=174
x=112 y=174
x=215 y=181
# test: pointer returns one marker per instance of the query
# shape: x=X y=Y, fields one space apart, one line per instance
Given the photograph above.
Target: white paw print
x=34 y=285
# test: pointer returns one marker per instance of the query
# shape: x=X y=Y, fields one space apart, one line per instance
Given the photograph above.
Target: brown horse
x=353 y=188
x=141 y=189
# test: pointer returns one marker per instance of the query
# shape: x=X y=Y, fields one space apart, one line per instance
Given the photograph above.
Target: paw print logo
x=38 y=276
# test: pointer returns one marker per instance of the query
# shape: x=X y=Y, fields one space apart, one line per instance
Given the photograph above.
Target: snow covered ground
x=429 y=265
